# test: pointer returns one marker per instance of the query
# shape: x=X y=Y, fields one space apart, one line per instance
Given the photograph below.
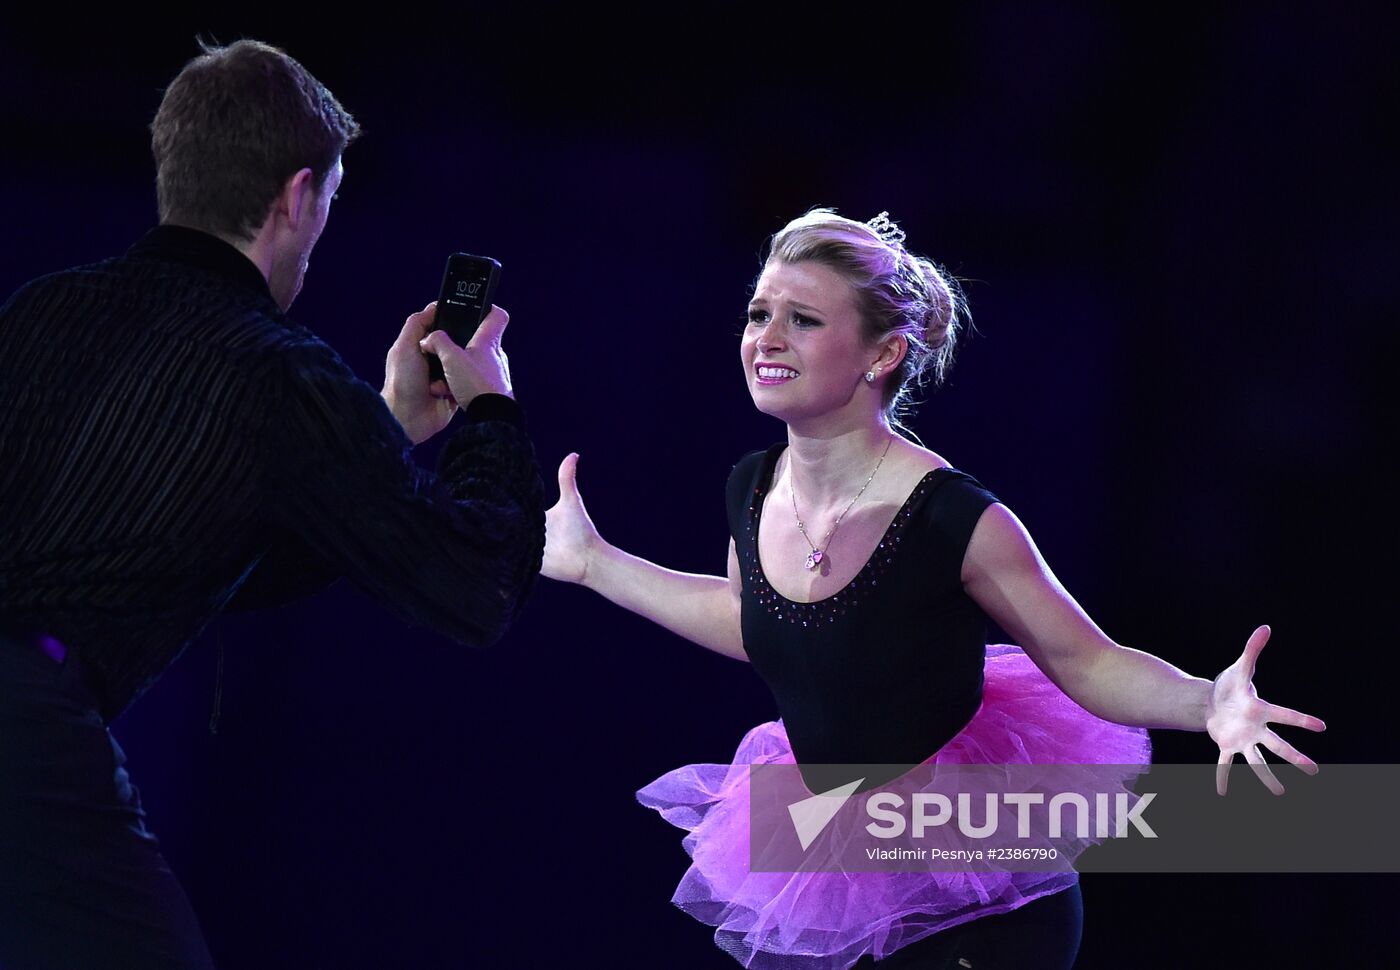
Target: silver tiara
x=889 y=233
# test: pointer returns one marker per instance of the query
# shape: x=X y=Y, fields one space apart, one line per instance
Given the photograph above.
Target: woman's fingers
x=1286 y=715
x=1261 y=769
x=1288 y=753
x=1252 y=648
x=568 y=471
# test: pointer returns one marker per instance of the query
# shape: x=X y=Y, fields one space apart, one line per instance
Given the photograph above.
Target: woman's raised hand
x=571 y=539
x=1237 y=720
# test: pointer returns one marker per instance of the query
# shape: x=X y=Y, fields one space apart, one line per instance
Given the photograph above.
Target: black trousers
x=1041 y=935
x=82 y=882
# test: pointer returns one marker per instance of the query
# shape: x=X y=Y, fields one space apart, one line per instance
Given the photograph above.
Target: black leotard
x=889 y=668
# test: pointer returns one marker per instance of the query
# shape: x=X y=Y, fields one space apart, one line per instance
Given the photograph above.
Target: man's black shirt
x=171 y=446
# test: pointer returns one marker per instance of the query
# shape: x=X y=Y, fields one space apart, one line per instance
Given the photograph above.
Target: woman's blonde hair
x=896 y=293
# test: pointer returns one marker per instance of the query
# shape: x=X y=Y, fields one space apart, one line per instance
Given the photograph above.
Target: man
x=172 y=446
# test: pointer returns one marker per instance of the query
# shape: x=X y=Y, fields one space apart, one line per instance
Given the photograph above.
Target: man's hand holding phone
x=424 y=407
x=458 y=353
x=481 y=367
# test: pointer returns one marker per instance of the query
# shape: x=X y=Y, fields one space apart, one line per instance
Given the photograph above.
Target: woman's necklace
x=818 y=554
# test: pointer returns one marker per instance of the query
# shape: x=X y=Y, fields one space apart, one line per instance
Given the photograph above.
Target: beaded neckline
x=828 y=608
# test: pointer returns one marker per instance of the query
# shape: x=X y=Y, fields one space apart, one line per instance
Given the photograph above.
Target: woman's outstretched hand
x=570 y=536
x=1238 y=720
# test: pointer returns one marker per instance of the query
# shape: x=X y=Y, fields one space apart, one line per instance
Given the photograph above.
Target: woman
x=862 y=570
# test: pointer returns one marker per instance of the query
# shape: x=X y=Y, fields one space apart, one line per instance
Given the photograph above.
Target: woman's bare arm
x=1004 y=572
x=703 y=609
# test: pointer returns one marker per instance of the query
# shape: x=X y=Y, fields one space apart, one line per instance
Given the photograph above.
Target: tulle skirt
x=828 y=920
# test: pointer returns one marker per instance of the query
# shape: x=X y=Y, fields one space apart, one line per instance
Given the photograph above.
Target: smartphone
x=468 y=286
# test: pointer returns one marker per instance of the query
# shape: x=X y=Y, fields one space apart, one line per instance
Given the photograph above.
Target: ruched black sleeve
x=457 y=551
x=950 y=516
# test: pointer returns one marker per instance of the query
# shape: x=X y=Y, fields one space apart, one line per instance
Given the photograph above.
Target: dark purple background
x=1178 y=233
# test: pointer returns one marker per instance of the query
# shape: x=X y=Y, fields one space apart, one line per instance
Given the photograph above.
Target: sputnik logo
x=811 y=815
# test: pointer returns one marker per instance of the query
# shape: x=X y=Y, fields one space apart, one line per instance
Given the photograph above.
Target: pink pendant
x=814 y=559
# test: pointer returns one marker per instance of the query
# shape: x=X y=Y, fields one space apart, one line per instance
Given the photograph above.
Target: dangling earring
x=870 y=377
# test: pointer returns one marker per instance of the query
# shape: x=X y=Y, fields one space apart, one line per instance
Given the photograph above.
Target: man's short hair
x=234 y=125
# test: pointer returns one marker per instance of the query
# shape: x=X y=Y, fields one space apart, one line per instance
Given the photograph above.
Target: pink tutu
x=829 y=920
